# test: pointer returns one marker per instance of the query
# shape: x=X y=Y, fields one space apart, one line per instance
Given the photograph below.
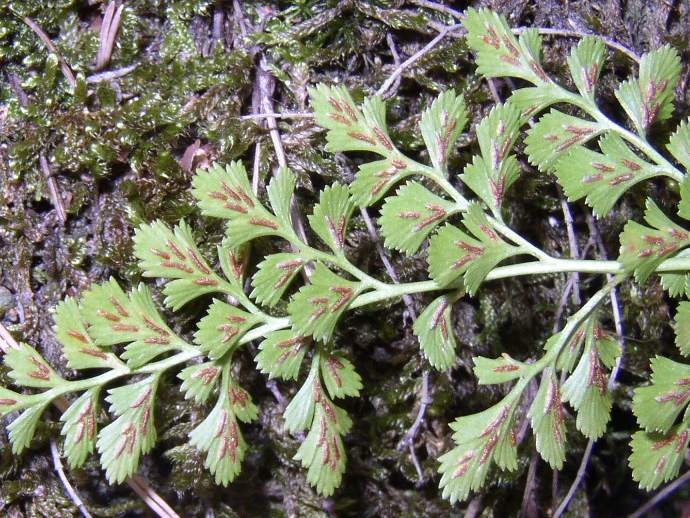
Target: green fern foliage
x=292 y=302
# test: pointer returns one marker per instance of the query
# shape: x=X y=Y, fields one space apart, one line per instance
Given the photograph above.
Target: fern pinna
x=455 y=221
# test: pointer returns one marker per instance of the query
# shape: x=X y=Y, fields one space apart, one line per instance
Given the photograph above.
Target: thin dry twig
x=57 y=464
x=390 y=269
x=218 y=28
x=16 y=85
x=548 y=31
x=578 y=478
x=7 y=341
x=257 y=167
x=150 y=497
x=664 y=493
x=424 y=402
x=273 y=387
x=457 y=31
x=50 y=180
x=494 y=91
x=474 y=507
x=413 y=58
x=53 y=189
x=109 y=27
x=266 y=86
x=66 y=70
x=572 y=243
x=275 y=115
x=529 y=506
x=266 y=83
x=396 y=61
x=439 y=7
x=111 y=74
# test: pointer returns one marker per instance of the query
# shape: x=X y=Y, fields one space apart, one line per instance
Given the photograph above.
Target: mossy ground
x=119 y=152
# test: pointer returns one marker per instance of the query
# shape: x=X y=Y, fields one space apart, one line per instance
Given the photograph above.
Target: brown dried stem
x=109 y=27
x=670 y=488
x=53 y=189
x=71 y=492
x=66 y=70
x=414 y=57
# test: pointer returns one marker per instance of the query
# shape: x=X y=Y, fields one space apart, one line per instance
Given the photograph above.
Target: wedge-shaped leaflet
x=684 y=204
x=219 y=435
x=280 y=192
x=222 y=328
x=339 y=375
x=411 y=215
x=22 y=429
x=241 y=403
x=375 y=178
x=499 y=53
x=657 y=458
x=331 y=216
x=676 y=284
x=316 y=307
x=491 y=174
x=490 y=371
x=174 y=255
x=587 y=387
x=547 y=417
x=679 y=144
x=681 y=325
x=441 y=125
x=226 y=193
x=11 y=401
x=132 y=434
x=78 y=347
x=274 y=274
x=602 y=177
x=585 y=63
x=658 y=405
x=299 y=413
x=323 y=452
x=80 y=427
x=480 y=439
x=233 y=262
x=281 y=354
x=534 y=99
x=199 y=381
x=555 y=134
x=643 y=248
x=650 y=98
x=349 y=128
x=116 y=318
x=30 y=369
x=571 y=350
x=453 y=253
x=434 y=330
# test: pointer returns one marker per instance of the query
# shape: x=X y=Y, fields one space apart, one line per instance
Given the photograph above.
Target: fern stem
x=519 y=240
x=638 y=141
x=341 y=262
x=573 y=323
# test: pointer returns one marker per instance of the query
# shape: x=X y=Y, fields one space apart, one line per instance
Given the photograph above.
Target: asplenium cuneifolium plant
x=423 y=211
